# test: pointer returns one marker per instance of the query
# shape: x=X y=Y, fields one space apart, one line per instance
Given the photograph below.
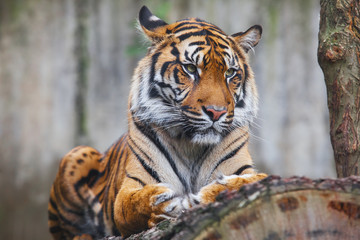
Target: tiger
x=192 y=100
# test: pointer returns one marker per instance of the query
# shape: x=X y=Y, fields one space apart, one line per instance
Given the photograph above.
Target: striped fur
x=191 y=101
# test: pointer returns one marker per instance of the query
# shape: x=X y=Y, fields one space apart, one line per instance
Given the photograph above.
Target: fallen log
x=274 y=208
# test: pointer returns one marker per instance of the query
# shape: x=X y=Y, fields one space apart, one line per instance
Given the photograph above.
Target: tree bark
x=274 y=208
x=339 y=58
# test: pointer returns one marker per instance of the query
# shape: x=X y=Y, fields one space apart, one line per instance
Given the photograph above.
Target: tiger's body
x=192 y=99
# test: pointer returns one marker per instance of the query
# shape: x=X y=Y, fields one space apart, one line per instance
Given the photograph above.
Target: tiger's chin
x=206 y=138
x=209 y=136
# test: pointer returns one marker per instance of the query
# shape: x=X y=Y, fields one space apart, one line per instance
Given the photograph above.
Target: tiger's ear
x=153 y=27
x=248 y=39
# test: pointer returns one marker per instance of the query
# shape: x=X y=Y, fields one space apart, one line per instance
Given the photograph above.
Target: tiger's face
x=195 y=81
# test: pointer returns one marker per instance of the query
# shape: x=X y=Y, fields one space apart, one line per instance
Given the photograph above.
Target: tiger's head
x=195 y=81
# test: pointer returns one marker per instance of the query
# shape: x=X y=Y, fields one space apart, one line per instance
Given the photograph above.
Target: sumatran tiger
x=191 y=101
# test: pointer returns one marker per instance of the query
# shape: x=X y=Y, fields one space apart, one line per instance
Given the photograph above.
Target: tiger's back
x=191 y=101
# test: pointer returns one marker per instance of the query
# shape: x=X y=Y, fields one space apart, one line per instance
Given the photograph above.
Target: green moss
x=13 y=19
x=274 y=11
x=164 y=225
x=83 y=63
x=11 y=10
x=162 y=9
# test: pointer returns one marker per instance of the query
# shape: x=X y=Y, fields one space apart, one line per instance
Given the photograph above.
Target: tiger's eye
x=230 y=72
x=190 y=68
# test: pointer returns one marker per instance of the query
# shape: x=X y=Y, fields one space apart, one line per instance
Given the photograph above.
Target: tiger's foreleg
x=208 y=193
x=138 y=208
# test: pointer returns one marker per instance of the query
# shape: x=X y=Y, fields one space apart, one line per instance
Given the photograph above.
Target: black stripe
x=149 y=133
x=191 y=34
x=134 y=178
x=236 y=48
x=175 y=51
x=217 y=30
x=53 y=204
x=115 y=149
x=153 y=93
x=112 y=217
x=177 y=80
x=154 y=59
x=63 y=207
x=223 y=46
x=226 y=54
x=52 y=216
x=202 y=21
x=197 y=43
x=55 y=229
x=187 y=55
x=246 y=73
x=166 y=97
x=243 y=168
x=199 y=23
x=229 y=117
x=182 y=24
x=197 y=59
x=79 y=225
x=209 y=33
x=100 y=193
x=186 y=28
x=235 y=141
x=240 y=104
x=165 y=85
x=236 y=58
x=164 y=67
x=116 y=155
x=186 y=109
x=229 y=155
x=66 y=221
x=147 y=168
x=118 y=143
x=186 y=23
x=178 y=100
x=116 y=186
x=141 y=150
x=198 y=120
x=90 y=180
x=196 y=51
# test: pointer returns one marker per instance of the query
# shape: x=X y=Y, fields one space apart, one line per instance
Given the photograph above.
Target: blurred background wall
x=65 y=68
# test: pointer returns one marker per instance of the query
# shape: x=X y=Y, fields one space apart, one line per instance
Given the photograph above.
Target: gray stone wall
x=65 y=68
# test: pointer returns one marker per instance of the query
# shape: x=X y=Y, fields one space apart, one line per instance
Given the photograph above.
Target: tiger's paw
x=167 y=205
x=209 y=192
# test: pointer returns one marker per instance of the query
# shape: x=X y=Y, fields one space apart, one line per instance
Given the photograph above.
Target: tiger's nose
x=214 y=112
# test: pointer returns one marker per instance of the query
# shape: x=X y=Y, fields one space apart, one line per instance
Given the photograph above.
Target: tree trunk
x=274 y=208
x=339 y=58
